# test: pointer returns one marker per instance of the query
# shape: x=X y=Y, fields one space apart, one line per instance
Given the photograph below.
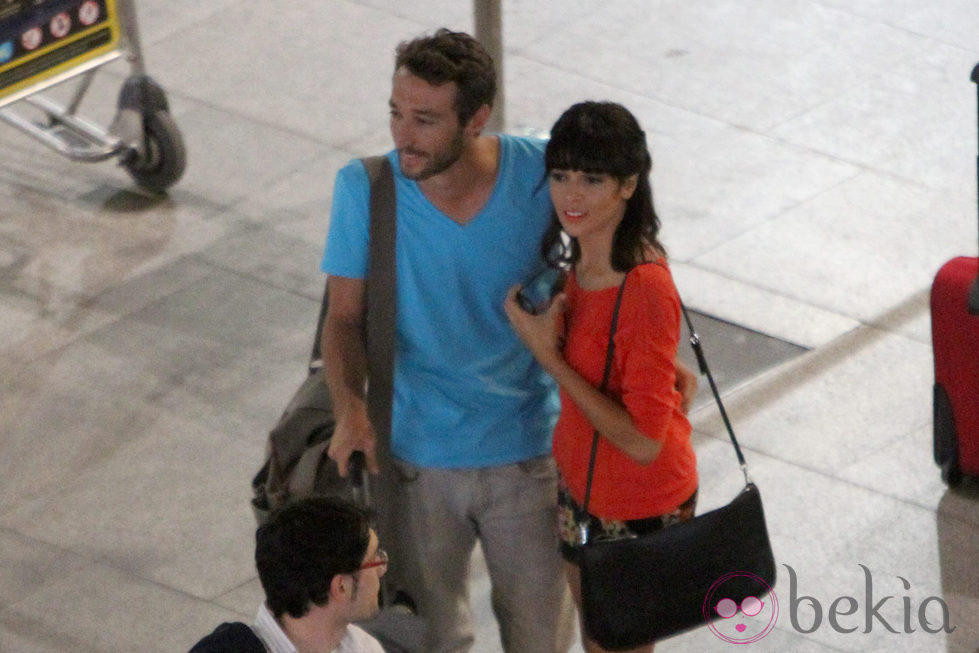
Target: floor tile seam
x=9 y=530
x=886 y=23
x=86 y=562
x=823 y=646
x=773 y=132
x=860 y=170
x=26 y=597
x=633 y=91
x=893 y=443
x=837 y=479
x=880 y=73
x=348 y=146
x=776 y=215
x=217 y=107
x=862 y=166
x=875 y=321
x=743 y=400
x=422 y=24
x=760 y=131
x=102 y=561
x=269 y=183
x=32 y=627
x=65 y=196
x=775 y=292
x=89 y=303
x=754 y=395
x=237 y=587
x=23 y=184
x=194 y=24
x=245 y=616
x=196 y=101
x=260 y=280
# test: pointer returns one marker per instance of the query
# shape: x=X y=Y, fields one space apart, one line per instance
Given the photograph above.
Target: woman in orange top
x=605 y=233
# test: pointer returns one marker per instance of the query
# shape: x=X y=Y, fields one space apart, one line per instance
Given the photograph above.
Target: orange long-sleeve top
x=642 y=378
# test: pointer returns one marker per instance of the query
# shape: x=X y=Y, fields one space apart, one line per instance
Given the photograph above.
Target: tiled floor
x=814 y=166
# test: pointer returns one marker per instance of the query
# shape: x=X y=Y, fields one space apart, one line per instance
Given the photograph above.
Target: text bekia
x=849 y=606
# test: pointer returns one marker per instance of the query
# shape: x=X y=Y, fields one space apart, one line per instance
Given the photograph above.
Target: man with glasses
x=320 y=565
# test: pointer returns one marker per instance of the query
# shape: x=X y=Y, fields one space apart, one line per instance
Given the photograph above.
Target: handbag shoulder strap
x=381 y=295
x=704 y=370
x=609 y=353
x=698 y=351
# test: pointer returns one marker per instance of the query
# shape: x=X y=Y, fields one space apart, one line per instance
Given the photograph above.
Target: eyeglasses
x=750 y=606
x=380 y=560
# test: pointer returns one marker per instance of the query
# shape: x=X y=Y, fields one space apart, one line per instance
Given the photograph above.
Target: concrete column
x=489 y=31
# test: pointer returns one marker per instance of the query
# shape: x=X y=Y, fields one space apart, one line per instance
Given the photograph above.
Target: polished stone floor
x=814 y=166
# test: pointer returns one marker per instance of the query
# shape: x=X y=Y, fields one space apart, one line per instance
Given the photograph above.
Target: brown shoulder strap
x=381 y=297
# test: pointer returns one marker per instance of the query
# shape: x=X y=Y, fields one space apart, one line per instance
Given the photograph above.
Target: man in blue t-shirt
x=472 y=412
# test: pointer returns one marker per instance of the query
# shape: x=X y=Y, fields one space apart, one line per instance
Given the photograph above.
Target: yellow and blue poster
x=43 y=38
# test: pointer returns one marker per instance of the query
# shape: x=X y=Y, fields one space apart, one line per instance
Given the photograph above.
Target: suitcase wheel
x=951 y=472
x=946 y=442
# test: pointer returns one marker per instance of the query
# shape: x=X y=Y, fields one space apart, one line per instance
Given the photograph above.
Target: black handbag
x=636 y=590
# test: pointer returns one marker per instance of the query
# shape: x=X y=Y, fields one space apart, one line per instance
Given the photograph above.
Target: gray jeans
x=511 y=509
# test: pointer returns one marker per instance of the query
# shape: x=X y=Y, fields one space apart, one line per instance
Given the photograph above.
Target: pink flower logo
x=745 y=622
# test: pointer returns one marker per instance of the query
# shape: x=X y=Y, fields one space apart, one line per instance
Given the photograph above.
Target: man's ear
x=478 y=122
x=340 y=588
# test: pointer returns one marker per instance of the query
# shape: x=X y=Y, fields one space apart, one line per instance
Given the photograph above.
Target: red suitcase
x=955 y=340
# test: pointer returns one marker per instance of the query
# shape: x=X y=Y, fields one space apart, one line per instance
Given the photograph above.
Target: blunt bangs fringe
x=591 y=155
x=586 y=140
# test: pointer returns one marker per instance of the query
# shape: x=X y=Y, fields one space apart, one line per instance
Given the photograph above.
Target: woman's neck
x=594 y=272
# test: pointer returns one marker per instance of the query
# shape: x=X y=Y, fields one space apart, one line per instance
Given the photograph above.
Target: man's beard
x=372 y=610
x=441 y=162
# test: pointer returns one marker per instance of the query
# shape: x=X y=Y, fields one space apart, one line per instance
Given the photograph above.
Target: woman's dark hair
x=303 y=546
x=448 y=56
x=604 y=137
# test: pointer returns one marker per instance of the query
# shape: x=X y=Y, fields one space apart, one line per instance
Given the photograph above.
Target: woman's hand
x=541 y=333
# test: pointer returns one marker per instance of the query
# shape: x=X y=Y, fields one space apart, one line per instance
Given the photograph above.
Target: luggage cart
x=44 y=43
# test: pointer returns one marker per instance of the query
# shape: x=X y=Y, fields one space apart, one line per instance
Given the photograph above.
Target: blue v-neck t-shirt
x=467 y=393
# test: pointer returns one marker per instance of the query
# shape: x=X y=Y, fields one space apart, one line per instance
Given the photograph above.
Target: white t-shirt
x=358 y=640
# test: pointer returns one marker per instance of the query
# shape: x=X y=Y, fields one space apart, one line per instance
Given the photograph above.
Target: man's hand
x=353 y=432
x=686 y=385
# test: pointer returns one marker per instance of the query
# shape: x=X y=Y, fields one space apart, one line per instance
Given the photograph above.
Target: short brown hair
x=448 y=56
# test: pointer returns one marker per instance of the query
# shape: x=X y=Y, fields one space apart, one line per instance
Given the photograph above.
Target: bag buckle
x=612 y=537
x=744 y=470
